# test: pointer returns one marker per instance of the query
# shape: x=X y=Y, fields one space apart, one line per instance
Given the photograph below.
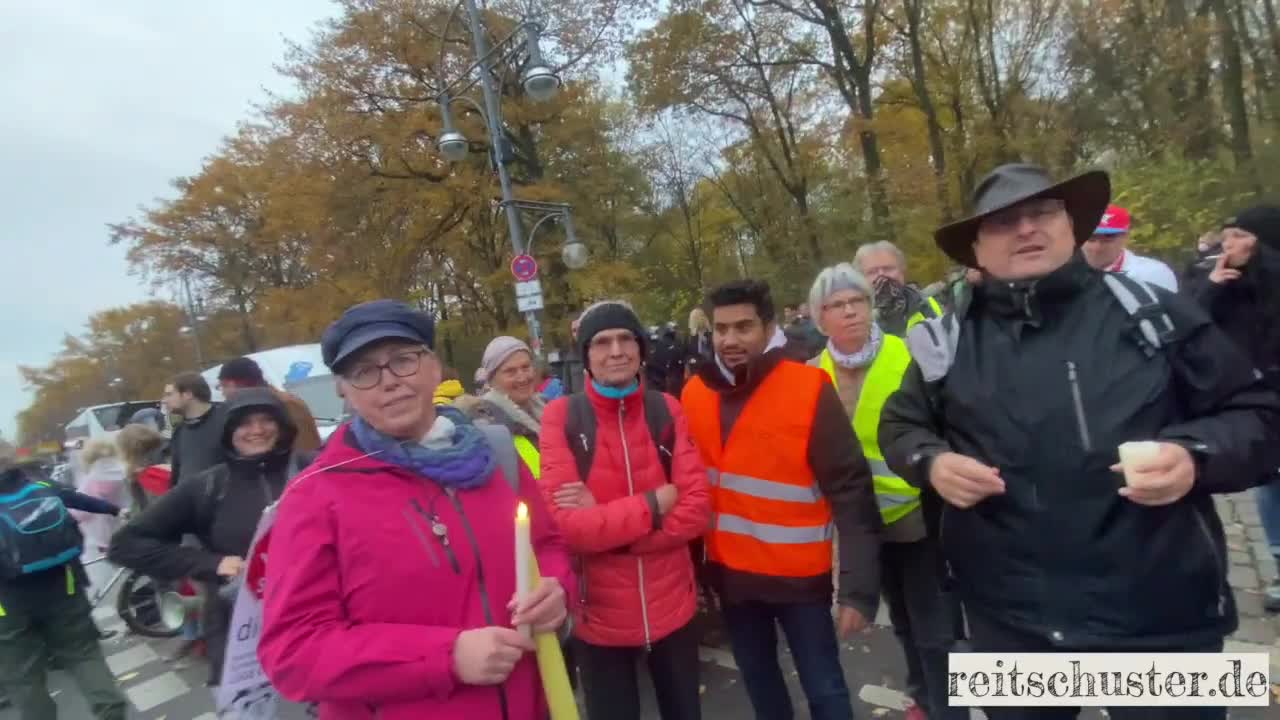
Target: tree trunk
x=1191 y=105
x=857 y=74
x=1273 y=26
x=810 y=227
x=937 y=149
x=246 y=322
x=1233 y=84
x=1261 y=80
x=442 y=309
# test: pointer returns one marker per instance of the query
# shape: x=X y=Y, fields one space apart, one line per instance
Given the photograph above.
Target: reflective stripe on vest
x=773 y=534
x=770 y=517
x=528 y=452
x=895 y=496
x=920 y=317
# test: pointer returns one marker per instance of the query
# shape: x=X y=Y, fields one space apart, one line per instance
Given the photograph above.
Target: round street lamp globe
x=541 y=83
x=453 y=146
x=575 y=256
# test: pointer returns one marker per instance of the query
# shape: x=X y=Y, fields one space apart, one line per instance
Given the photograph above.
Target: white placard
x=529 y=303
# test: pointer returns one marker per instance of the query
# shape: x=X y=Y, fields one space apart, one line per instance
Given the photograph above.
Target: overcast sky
x=101 y=104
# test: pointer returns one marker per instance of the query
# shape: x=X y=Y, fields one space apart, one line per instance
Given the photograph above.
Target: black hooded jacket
x=1247 y=309
x=1048 y=380
x=221 y=506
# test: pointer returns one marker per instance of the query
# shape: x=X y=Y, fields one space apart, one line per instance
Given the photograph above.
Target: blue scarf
x=461 y=460
x=614 y=393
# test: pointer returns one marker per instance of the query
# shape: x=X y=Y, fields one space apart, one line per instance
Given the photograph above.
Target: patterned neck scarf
x=864 y=357
x=454 y=453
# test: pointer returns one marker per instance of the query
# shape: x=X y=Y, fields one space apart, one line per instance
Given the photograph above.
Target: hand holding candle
x=524 y=564
x=1156 y=473
x=539 y=604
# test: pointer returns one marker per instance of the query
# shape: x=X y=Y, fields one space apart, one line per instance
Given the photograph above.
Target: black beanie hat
x=1261 y=220
x=609 y=315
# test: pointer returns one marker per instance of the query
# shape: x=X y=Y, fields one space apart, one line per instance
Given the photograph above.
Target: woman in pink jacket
x=631 y=521
x=391 y=586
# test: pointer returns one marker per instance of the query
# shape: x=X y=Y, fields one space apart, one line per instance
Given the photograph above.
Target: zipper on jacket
x=1217 y=561
x=1073 y=377
x=441 y=531
x=484 y=589
x=422 y=538
x=631 y=489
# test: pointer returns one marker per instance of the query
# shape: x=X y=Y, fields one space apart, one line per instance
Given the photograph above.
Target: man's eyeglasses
x=1038 y=211
x=366 y=376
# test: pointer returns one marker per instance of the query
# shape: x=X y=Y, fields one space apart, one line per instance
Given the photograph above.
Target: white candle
x=1136 y=454
x=524 y=558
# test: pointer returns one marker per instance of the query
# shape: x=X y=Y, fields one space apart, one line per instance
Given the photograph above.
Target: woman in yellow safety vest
x=512 y=399
x=867 y=365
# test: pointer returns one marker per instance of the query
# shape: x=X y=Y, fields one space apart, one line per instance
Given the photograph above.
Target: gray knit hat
x=500 y=350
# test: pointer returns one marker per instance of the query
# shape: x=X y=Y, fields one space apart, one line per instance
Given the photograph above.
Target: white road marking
x=157 y=691
x=131 y=659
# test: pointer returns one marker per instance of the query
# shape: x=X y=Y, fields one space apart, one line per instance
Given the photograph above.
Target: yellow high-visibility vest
x=895 y=496
x=528 y=452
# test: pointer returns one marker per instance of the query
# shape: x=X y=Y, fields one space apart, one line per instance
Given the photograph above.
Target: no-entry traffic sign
x=524 y=267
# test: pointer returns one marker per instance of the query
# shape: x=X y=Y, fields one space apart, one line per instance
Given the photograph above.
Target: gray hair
x=881 y=246
x=831 y=281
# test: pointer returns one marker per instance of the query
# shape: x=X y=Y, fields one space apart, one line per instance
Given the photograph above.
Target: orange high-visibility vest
x=769 y=516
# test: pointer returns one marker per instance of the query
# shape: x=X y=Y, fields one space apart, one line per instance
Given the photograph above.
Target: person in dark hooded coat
x=221 y=507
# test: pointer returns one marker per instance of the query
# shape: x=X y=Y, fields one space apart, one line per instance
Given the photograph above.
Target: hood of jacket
x=496 y=408
x=448 y=391
x=246 y=402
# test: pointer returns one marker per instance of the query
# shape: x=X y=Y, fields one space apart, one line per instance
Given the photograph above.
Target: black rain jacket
x=1049 y=378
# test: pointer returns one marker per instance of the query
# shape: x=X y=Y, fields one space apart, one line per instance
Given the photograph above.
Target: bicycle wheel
x=139 y=606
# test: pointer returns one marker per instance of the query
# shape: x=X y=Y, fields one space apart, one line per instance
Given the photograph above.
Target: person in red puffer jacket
x=630 y=527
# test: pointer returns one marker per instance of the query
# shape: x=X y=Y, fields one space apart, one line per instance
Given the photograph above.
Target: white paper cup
x=1136 y=454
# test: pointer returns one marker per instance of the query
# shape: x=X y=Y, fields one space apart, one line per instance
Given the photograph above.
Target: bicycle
x=139 y=604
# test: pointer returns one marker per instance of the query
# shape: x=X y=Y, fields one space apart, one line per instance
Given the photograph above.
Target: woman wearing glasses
x=866 y=365
x=390 y=592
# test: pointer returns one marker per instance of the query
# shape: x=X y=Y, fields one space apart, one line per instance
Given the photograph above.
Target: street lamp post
x=541 y=83
x=193 y=318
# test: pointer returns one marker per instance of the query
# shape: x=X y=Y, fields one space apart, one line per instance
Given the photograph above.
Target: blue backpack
x=36 y=533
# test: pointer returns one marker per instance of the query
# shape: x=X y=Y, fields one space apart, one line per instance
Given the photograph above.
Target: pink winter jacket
x=360 y=617
x=637 y=582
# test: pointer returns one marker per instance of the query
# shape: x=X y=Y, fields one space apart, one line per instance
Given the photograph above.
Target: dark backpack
x=36 y=532
x=580 y=430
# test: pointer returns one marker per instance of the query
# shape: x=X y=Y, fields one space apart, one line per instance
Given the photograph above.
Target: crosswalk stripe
x=131 y=659
x=157 y=691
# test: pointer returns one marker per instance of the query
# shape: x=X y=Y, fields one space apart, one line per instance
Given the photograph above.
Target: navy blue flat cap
x=371 y=322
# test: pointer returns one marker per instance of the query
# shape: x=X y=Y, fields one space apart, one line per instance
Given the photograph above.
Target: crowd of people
x=953 y=450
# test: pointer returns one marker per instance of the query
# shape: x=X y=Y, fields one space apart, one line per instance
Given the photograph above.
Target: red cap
x=1114 y=221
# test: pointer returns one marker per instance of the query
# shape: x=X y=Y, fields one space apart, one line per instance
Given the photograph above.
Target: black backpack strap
x=580 y=432
x=1155 y=329
x=661 y=428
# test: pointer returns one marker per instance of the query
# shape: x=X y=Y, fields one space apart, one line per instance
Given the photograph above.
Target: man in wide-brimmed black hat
x=1013 y=413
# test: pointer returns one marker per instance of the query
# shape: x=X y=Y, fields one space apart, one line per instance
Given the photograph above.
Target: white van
x=102 y=422
x=299 y=369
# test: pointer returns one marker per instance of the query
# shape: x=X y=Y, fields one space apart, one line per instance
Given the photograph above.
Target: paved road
x=873 y=663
